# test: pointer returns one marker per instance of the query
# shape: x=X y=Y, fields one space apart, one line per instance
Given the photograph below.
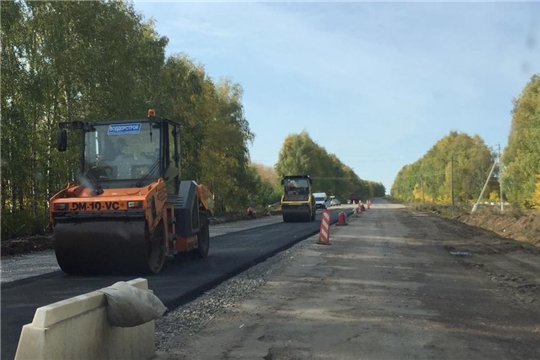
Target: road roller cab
x=129 y=210
x=297 y=202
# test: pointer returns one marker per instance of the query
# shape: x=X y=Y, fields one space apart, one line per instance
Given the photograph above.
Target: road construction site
x=393 y=284
x=232 y=251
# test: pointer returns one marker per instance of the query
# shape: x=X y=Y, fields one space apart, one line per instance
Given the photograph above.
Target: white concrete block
x=77 y=328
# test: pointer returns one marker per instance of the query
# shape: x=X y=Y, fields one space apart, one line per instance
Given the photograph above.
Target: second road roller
x=130 y=210
x=297 y=202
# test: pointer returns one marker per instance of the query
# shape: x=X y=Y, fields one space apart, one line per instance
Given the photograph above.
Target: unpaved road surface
x=394 y=284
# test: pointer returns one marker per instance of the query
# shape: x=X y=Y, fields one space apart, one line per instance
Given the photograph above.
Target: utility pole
x=500 y=178
x=484 y=188
x=452 y=178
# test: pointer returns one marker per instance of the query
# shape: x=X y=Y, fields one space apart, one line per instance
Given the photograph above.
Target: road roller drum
x=129 y=211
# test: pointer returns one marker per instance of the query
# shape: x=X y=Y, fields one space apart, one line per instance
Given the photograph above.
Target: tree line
x=457 y=166
x=100 y=60
x=299 y=154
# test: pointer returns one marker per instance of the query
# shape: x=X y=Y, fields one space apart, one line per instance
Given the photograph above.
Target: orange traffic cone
x=342 y=218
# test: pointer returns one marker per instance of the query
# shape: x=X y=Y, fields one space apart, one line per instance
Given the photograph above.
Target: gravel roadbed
x=178 y=325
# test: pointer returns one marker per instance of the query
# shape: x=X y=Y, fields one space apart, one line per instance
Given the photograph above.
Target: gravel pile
x=177 y=326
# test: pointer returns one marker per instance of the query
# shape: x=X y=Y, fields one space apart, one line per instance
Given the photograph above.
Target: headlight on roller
x=61 y=207
x=134 y=204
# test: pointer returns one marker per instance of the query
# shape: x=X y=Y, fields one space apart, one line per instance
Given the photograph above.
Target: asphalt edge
x=195 y=293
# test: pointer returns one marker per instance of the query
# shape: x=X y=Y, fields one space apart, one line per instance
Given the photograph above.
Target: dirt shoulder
x=522 y=227
x=511 y=224
x=394 y=284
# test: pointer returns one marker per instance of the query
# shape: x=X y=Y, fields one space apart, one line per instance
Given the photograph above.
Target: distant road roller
x=297 y=202
x=130 y=210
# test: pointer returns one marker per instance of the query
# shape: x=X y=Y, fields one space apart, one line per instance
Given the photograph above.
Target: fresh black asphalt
x=178 y=283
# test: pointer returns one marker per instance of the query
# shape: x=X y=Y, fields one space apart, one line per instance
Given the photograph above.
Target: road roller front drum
x=108 y=246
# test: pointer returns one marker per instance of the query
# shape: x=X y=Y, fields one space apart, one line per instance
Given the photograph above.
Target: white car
x=335 y=202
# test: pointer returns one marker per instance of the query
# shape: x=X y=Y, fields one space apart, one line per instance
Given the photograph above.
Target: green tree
x=64 y=61
x=522 y=154
x=266 y=191
x=225 y=155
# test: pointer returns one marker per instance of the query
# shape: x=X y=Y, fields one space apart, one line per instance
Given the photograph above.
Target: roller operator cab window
x=296 y=186
x=123 y=151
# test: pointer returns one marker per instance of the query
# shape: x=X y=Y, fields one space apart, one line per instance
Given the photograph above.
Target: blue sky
x=377 y=84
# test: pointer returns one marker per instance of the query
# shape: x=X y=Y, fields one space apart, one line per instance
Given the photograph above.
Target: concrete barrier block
x=78 y=328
